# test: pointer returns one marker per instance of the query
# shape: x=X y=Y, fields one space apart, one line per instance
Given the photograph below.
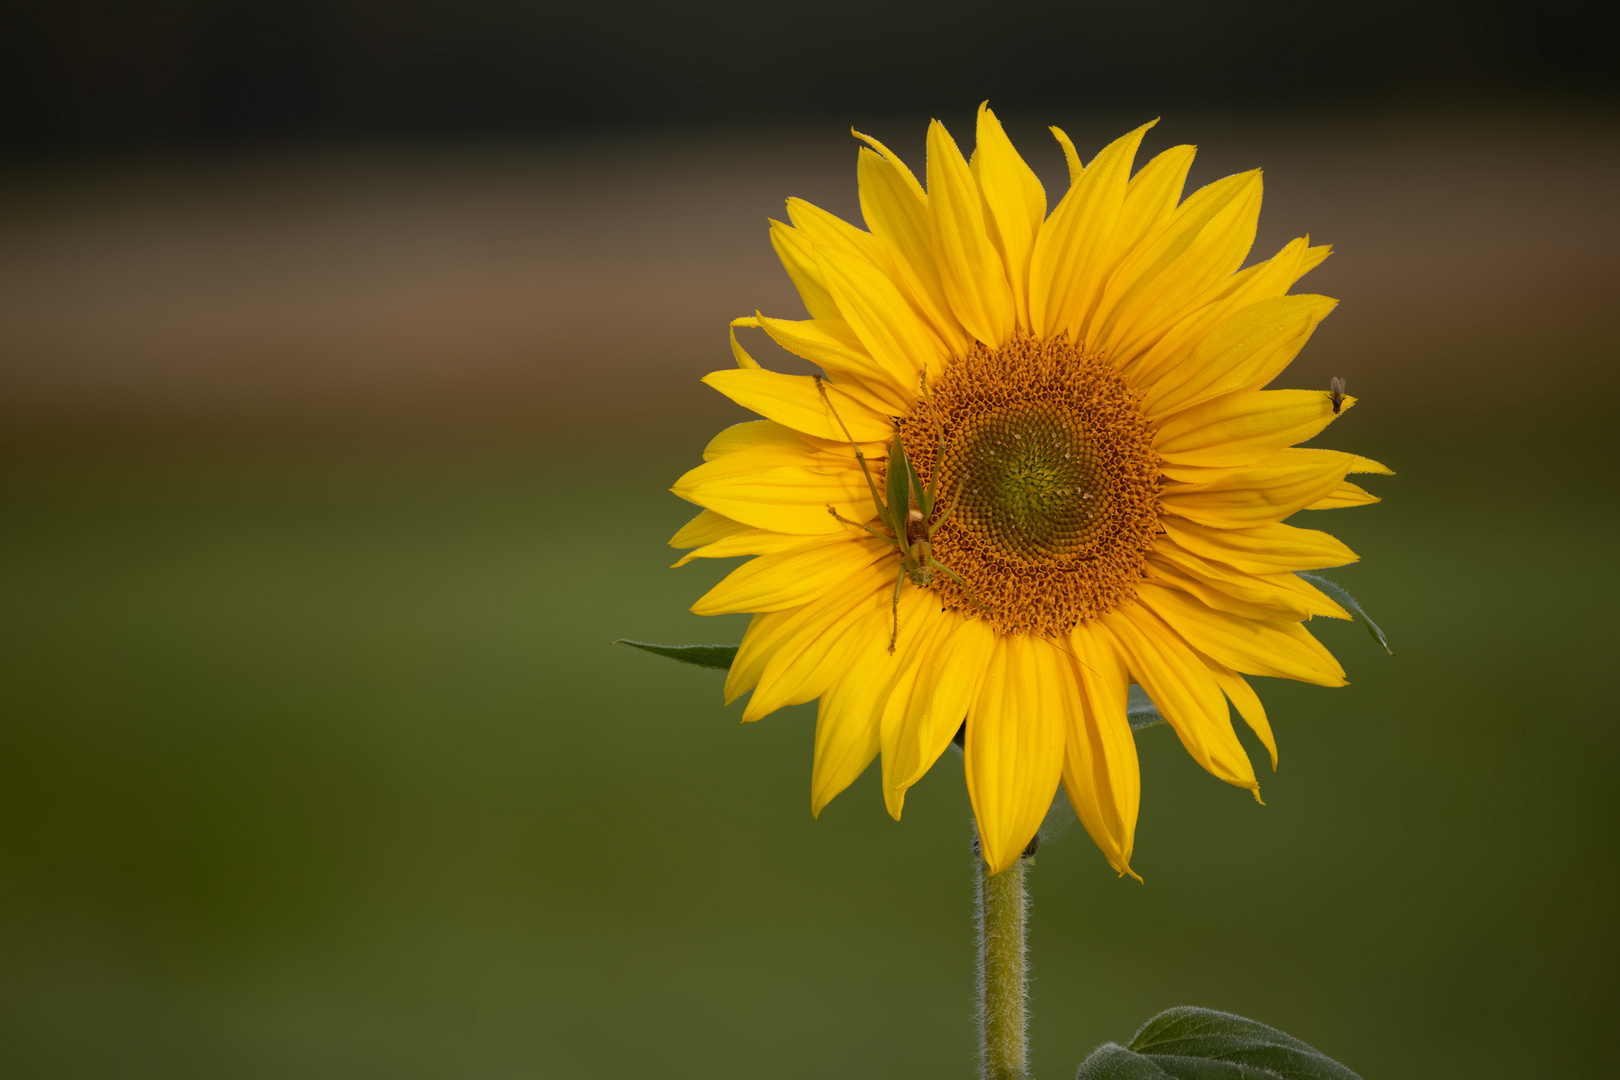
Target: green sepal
x=1349 y=603
x=709 y=656
x=1187 y=1043
x=1140 y=710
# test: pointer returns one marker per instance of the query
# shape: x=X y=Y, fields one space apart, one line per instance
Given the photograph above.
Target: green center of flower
x=1030 y=482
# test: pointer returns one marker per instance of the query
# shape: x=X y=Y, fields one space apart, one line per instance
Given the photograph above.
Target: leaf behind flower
x=1140 y=710
x=708 y=656
x=1345 y=599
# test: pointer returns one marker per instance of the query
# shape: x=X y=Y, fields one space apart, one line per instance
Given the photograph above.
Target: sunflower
x=1083 y=391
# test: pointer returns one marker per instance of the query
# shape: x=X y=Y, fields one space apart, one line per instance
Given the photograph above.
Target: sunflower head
x=1099 y=480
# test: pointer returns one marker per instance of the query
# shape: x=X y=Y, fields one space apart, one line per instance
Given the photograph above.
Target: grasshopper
x=906 y=513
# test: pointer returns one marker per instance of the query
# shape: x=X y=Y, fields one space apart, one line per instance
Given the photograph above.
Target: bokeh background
x=347 y=350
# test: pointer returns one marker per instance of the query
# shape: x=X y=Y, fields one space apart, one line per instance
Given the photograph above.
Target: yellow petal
x=1283 y=650
x=1170 y=273
x=1259 y=596
x=795 y=672
x=844 y=360
x=756 y=433
x=1249 y=598
x=1288 y=481
x=1014 y=204
x=1015 y=746
x=757 y=487
x=795 y=250
x=858 y=267
x=1263 y=281
x=829 y=232
x=896 y=210
x=1345 y=494
x=1070 y=154
x=1275 y=276
x=846 y=743
x=1186 y=694
x=834 y=346
x=923 y=628
x=1201 y=476
x=1242 y=428
x=751 y=541
x=887 y=325
x=791 y=578
x=1244 y=351
x=1100 y=770
x=1368 y=465
x=841 y=449
x=903 y=174
x=737 y=351
x=1151 y=198
x=947 y=685
x=1315 y=601
x=1242 y=695
x=765 y=635
x=1262 y=549
x=794 y=400
x=1068 y=267
x=1266 y=280
x=705 y=529
x=975 y=281
x=847 y=727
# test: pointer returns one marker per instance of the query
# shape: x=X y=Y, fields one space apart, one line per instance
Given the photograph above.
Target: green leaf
x=1187 y=1043
x=1140 y=710
x=709 y=656
x=1349 y=602
x=1111 y=1061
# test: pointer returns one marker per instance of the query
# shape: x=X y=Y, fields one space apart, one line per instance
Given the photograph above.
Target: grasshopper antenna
x=821 y=385
x=860 y=459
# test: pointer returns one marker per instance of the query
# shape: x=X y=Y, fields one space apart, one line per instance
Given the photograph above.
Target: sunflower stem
x=1001 y=914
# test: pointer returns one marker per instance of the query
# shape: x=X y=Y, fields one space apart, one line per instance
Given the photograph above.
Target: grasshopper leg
x=946 y=516
x=858 y=525
x=954 y=576
x=899 y=580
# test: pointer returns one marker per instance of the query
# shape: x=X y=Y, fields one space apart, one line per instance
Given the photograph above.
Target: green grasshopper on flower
x=906 y=513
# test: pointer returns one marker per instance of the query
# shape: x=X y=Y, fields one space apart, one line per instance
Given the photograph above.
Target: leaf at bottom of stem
x=1188 y=1043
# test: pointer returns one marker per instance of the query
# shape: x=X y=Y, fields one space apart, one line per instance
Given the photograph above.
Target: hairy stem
x=1002 y=910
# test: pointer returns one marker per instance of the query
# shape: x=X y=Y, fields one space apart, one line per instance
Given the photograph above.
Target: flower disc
x=1049 y=480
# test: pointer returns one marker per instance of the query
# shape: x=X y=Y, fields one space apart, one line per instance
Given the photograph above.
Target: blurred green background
x=333 y=453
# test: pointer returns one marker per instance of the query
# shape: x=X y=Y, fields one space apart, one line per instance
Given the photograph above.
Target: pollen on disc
x=1045 y=463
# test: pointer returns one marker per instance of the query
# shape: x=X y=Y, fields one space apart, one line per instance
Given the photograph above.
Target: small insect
x=905 y=513
x=1336 y=394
